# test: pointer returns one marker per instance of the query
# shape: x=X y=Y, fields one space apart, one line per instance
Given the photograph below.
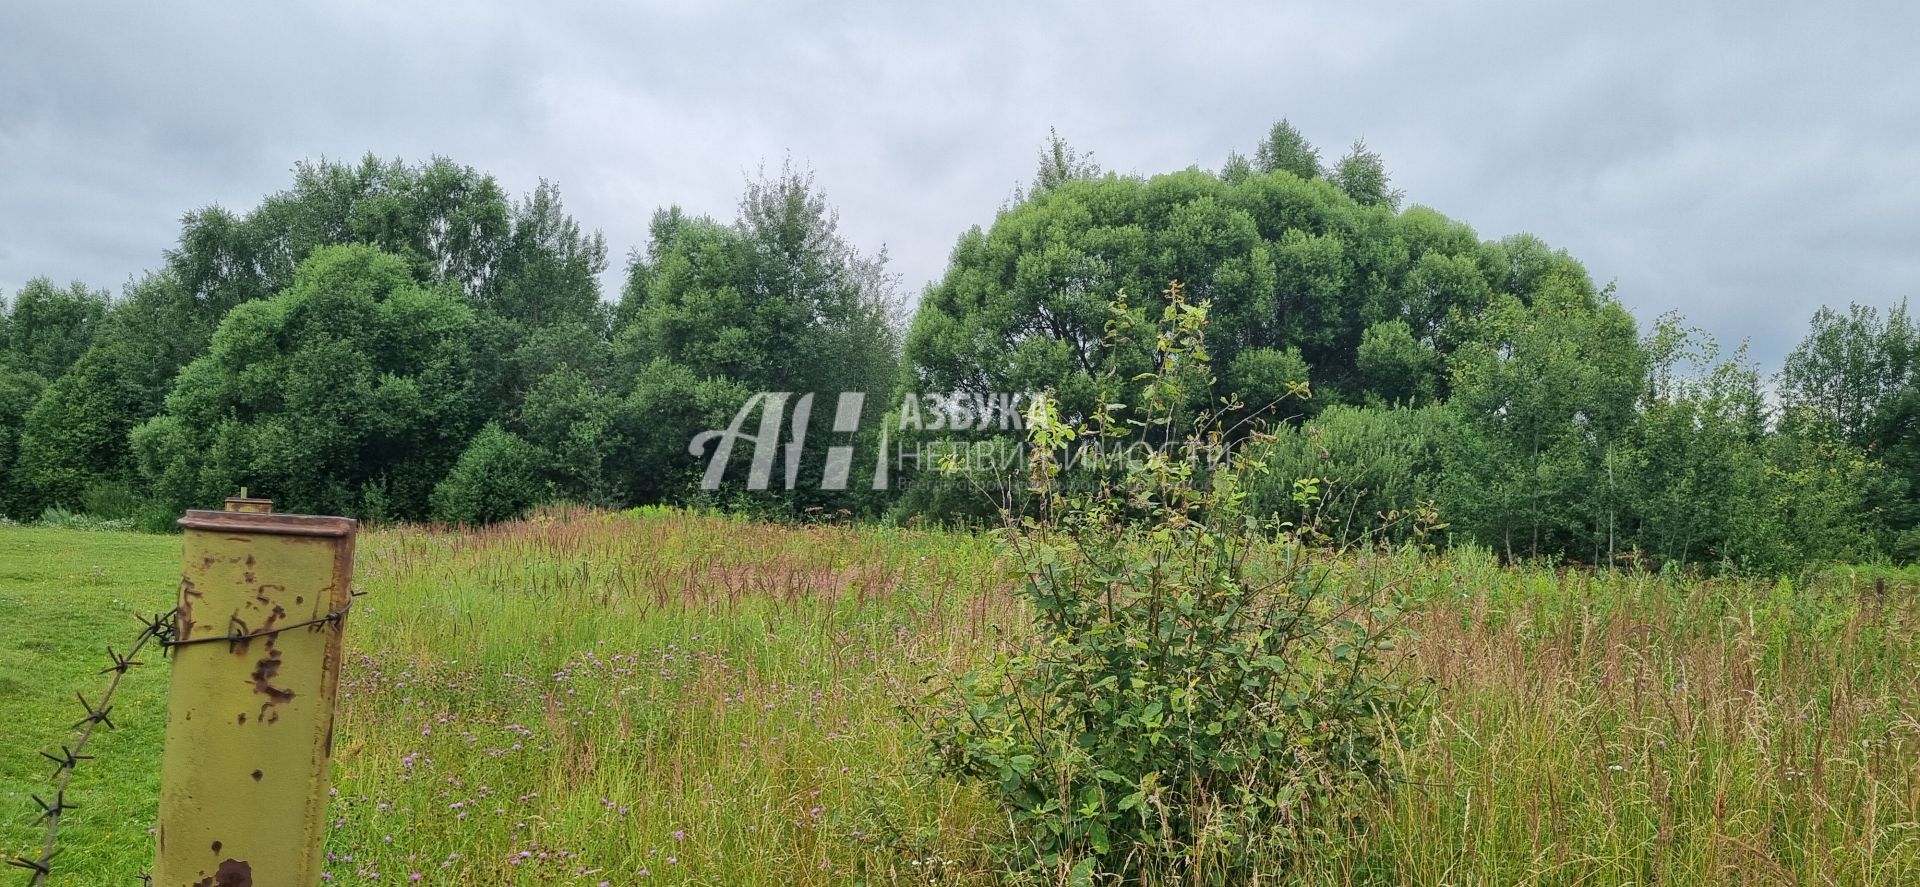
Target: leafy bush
x=497 y=478
x=110 y=500
x=1378 y=470
x=1203 y=697
x=121 y=506
x=156 y=517
x=78 y=520
x=1906 y=547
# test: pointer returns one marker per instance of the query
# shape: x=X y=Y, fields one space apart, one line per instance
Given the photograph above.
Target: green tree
x=654 y=418
x=1286 y=262
x=1286 y=149
x=351 y=392
x=19 y=389
x=541 y=309
x=1371 y=302
x=1374 y=471
x=1820 y=501
x=1396 y=368
x=1445 y=288
x=1060 y=163
x=1236 y=169
x=1024 y=306
x=1546 y=396
x=1701 y=457
x=1363 y=175
x=1268 y=381
x=1896 y=433
x=568 y=418
x=1855 y=380
x=779 y=300
x=45 y=329
x=522 y=268
x=74 y=437
x=1851 y=366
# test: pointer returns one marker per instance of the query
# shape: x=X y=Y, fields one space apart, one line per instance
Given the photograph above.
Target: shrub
x=497 y=478
x=118 y=505
x=156 y=517
x=55 y=516
x=1377 y=468
x=110 y=500
x=1202 y=698
x=1906 y=547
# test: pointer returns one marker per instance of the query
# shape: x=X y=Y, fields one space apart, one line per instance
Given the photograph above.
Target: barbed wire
x=157 y=629
x=238 y=633
x=161 y=629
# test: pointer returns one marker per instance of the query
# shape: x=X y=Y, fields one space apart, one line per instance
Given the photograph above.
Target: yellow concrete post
x=256 y=666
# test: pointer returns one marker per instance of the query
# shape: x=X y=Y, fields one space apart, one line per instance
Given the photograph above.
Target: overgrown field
x=662 y=697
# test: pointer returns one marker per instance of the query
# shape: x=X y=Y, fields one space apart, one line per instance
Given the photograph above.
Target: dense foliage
x=353 y=391
x=1193 y=705
x=777 y=301
x=1490 y=383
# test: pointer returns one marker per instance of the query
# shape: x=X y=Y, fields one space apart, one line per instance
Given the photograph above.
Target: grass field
x=671 y=698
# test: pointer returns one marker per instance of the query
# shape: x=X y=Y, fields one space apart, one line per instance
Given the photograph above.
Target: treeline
x=408 y=342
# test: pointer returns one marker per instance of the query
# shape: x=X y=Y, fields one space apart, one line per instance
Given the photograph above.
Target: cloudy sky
x=1738 y=165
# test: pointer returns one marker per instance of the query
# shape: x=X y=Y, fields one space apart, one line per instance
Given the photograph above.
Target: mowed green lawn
x=65 y=595
x=661 y=697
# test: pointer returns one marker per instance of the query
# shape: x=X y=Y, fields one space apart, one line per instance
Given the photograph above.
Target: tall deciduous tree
x=19 y=390
x=75 y=435
x=1855 y=380
x=1287 y=261
x=779 y=300
x=1546 y=394
x=529 y=271
x=1701 y=455
x=351 y=392
x=1849 y=367
x=44 y=329
x=1060 y=163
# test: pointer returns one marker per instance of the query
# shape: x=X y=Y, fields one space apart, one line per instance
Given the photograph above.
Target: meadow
x=664 y=697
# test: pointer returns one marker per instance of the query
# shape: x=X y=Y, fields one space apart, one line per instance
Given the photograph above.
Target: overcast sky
x=1738 y=165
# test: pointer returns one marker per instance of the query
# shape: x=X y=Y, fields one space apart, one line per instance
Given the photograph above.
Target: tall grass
x=587 y=698
x=1617 y=729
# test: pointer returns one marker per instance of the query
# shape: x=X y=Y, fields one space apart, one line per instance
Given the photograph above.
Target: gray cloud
x=1738 y=165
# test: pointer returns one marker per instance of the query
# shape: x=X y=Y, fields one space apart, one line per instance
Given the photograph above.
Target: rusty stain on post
x=256 y=667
